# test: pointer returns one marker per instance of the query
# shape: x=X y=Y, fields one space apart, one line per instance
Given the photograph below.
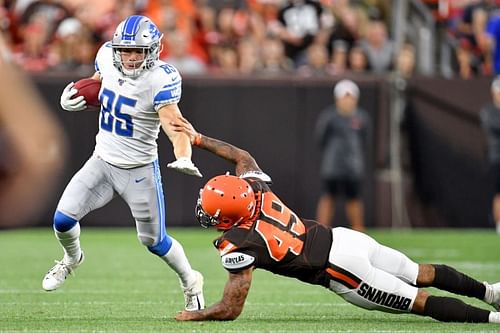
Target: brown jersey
x=277 y=240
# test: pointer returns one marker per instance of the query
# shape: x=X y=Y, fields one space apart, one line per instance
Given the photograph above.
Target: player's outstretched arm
x=243 y=161
x=180 y=141
x=231 y=304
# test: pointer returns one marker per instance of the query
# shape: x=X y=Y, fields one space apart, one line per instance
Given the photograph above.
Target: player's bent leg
x=354 y=278
x=89 y=189
x=395 y=263
x=371 y=289
x=67 y=231
x=146 y=202
x=172 y=252
x=449 y=309
x=191 y=281
x=447 y=278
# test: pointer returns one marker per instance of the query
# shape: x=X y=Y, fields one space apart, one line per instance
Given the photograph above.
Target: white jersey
x=129 y=122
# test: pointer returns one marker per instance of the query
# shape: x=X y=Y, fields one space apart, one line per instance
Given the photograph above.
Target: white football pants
x=370 y=275
x=97 y=182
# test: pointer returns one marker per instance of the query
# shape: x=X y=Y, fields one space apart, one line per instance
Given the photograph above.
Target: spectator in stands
x=33 y=54
x=479 y=43
x=103 y=21
x=490 y=120
x=378 y=48
x=342 y=131
x=338 y=63
x=301 y=21
x=316 y=62
x=348 y=22
x=357 y=61
x=466 y=25
x=493 y=30
x=226 y=61
x=73 y=48
x=32 y=147
x=466 y=61
x=48 y=12
x=248 y=56
x=405 y=61
x=179 y=57
x=274 y=60
x=205 y=33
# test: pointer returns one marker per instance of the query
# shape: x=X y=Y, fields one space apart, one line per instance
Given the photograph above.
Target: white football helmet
x=136 y=32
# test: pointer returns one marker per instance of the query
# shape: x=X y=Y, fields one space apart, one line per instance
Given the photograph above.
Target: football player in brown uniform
x=260 y=231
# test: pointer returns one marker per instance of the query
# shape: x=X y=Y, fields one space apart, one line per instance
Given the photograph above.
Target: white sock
x=498 y=227
x=177 y=260
x=494 y=317
x=488 y=295
x=70 y=241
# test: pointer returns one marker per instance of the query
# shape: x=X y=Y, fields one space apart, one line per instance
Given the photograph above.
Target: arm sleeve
x=167 y=86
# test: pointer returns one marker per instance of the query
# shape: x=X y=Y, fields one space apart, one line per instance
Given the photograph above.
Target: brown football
x=89 y=89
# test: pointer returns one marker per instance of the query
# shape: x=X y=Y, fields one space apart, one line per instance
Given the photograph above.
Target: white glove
x=185 y=165
x=69 y=104
x=257 y=174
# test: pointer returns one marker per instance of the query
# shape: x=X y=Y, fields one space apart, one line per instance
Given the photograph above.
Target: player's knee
x=146 y=240
x=63 y=222
x=162 y=247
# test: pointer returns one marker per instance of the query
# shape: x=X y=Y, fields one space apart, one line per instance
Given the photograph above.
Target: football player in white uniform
x=139 y=93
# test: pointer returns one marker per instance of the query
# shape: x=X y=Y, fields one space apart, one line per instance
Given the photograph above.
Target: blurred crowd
x=257 y=37
x=473 y=27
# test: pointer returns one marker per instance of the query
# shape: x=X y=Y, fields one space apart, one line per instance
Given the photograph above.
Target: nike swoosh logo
x=174 y=78
x=140 y=179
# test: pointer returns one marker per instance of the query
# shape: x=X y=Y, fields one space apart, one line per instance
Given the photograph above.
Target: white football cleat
x=193 y=295
x=58 y=274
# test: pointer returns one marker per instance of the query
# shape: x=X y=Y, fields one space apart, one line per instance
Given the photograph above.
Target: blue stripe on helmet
x=131 y=27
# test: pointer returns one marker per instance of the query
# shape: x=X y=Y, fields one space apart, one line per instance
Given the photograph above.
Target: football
x=89 y=89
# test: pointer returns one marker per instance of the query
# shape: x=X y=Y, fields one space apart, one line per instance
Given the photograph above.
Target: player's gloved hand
x=257 y=174
x=72 y=104
x=185 y=165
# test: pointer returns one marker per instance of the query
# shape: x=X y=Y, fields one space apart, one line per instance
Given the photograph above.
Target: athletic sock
x=498 y=227
x=488 y=295
x=449 y=309
x=494 y=317
x=449 y=279
x=177 y=260
x=70 y=242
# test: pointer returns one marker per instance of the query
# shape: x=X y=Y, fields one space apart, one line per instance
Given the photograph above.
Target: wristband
x=197 y=139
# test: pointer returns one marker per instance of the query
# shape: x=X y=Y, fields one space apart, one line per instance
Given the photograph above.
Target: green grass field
x=121 y=287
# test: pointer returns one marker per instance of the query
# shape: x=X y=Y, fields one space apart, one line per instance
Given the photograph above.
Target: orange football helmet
x=225 y=201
